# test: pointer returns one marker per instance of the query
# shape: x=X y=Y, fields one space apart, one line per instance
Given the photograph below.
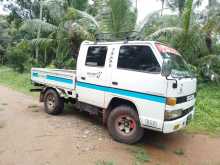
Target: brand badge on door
x=96 y=75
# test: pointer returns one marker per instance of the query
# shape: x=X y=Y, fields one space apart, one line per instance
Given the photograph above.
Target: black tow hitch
x=36 y=90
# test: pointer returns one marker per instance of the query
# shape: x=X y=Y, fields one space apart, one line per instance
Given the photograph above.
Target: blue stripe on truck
x=138 y=95
x=35 y=74
x=59 y=79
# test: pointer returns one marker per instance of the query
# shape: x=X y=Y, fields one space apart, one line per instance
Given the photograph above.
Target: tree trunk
x=181 y=6
x=38 y=32
x=162 y=1
x=45 y=56
x=136 y=6
x=208 y=37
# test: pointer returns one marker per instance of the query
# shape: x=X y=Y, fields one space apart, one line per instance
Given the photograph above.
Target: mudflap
x=41 y=99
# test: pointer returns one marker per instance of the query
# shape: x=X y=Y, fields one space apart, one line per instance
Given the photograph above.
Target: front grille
x=183 y=99
x=186 y=111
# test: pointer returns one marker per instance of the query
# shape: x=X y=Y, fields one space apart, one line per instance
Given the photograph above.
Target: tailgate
x=58 y=78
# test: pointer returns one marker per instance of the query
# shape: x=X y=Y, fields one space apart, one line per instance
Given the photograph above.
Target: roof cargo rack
x=123 y=36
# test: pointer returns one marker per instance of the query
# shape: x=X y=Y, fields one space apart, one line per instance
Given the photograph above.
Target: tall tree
x=78 y=4
x=177 y=4
x=39 y=31
x=162 y=7
x=5 y=38
x=62 y=36
x=212 y=24
x=119 y=16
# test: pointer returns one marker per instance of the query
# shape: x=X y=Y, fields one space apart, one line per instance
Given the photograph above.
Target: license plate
x=188 y=120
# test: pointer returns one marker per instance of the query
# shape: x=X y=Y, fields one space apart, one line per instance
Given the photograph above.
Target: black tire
x=118 y=118
x=53 y=104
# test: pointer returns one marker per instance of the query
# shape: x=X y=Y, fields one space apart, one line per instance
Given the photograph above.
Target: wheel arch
x=115 y=102
x=45 y=89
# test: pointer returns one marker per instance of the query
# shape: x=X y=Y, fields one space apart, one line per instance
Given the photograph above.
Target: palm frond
x=78 y=29
x=187 y=14
x=87 y=16
x=41 y=42
x=56 y=9
x=33 y=25
x=168 y=31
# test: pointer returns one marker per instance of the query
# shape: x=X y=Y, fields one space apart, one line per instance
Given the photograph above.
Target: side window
x=96 y=56
x=138 y=58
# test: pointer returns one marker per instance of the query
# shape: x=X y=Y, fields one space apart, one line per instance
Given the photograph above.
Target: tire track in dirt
x=29 y=136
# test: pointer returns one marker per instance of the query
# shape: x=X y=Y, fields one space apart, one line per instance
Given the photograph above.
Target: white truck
x=133 y=85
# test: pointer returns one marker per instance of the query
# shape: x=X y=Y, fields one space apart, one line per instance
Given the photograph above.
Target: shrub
x=191 y=45
x=209 y=67
x=19 y=56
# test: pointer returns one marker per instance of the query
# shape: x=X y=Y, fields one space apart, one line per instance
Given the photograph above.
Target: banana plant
x=38 y=26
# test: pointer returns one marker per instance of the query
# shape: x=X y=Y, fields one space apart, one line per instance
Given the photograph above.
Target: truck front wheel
x=53 y=104
x=124 y=125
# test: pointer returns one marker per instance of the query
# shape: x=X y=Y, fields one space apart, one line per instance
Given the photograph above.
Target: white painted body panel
x=93 y=75
x=56 y=78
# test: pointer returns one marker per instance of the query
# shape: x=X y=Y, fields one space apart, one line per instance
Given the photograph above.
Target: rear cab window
x=96 y=56
x=138 y=58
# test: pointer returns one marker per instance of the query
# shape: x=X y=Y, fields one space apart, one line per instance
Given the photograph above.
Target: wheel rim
x=125 y=125
x=51 y=102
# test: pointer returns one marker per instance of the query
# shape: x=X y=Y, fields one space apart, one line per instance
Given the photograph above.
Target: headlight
x=173 y=114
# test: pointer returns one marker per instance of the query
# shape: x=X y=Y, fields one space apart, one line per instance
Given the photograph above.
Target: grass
x=33 y=106
x=207 y=116
x=160 y=146
x=140 y=154
x=179 y=151
x=141 y=157
x=14 y=80
x=34 y=110
x=103 y=162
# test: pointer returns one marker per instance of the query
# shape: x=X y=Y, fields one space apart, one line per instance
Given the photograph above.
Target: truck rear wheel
x=53 y=104
x=124 y=125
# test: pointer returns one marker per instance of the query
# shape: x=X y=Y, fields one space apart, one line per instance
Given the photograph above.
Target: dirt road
x=28 y=136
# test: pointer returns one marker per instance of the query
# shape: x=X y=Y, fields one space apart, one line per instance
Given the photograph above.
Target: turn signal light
x=171 y=101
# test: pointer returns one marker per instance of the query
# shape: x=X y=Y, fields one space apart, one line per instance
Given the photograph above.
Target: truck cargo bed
x=57 y=78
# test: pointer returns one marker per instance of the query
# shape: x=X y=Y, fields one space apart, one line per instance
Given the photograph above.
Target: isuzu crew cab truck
x=133 y=85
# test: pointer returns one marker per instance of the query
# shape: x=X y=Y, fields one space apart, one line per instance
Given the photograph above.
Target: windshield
x=177 y=65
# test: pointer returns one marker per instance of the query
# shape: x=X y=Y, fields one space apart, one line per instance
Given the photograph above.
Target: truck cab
x=136 y=85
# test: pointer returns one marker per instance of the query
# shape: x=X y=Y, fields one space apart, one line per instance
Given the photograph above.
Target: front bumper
x=175 y=125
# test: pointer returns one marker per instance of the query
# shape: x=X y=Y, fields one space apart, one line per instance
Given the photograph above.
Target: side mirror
x=166 y=68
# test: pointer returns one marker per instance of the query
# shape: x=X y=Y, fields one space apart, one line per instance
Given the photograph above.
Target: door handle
x=83 y=78
x=114 y=83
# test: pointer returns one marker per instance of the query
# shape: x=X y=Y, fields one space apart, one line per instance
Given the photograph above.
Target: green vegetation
x=179 y=151
x=207 y=117
x=103 y=162
x=140 y=155
x=15 y=80
x=48 y=33
x=33 y=106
